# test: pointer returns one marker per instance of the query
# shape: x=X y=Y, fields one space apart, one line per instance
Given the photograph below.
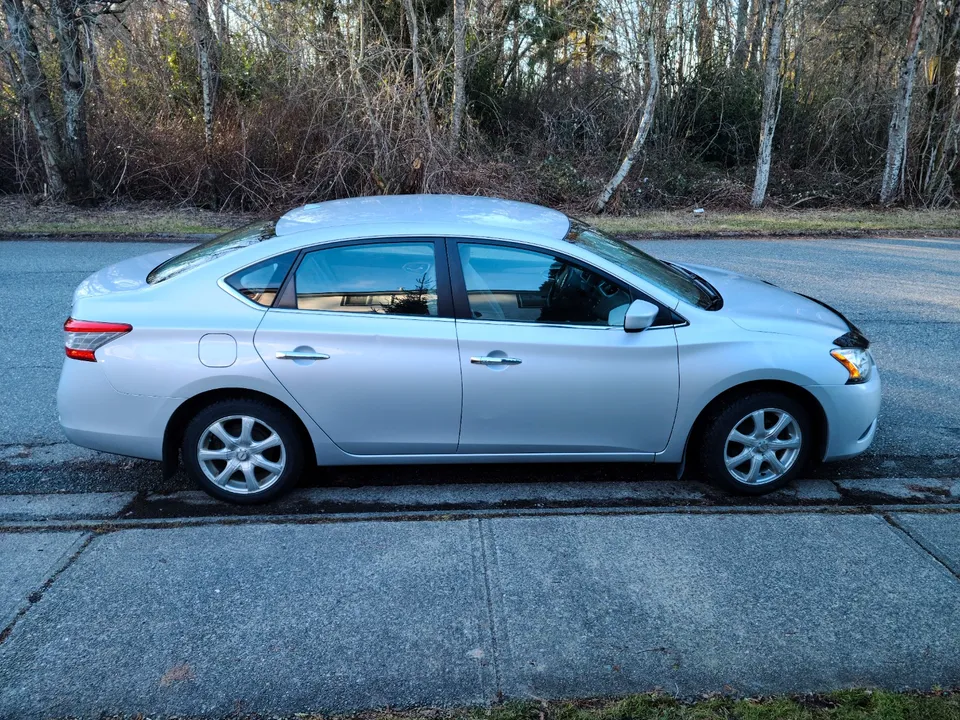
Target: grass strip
x=841 y=705
x=783 y=222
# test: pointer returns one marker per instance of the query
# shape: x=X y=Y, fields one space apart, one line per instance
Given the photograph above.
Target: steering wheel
x=559 y=285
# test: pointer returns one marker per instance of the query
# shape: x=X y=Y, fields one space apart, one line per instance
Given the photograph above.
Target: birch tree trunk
x=419 y=86
x=771 y=99
x=73 y=83
x=207 y=53
x=31 y=84
x=899 y=123
x=650 y=104
x=459 y=73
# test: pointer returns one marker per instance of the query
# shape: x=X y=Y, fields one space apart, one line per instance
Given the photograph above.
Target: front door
x=365 y=349
x=546 y=364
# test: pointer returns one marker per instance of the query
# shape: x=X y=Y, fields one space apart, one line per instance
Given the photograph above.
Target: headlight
x=857 y=361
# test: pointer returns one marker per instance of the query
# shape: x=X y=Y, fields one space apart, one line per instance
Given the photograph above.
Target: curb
x=446 y=502
x=105 y=237
x=851 y=234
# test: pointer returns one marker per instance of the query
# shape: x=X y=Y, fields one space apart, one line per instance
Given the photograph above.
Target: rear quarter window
x=260 y=283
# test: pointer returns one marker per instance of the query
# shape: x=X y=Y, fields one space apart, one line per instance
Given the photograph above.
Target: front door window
x=506 y=283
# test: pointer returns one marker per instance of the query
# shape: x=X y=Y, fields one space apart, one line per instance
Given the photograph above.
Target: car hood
x=762 y=307
x=126 y=275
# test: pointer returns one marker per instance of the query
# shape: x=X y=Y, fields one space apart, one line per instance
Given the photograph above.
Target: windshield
x=212 y=249
x=656 y=272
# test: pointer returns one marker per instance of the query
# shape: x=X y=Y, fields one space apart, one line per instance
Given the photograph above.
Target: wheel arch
x=818 y=415
x=173 y=433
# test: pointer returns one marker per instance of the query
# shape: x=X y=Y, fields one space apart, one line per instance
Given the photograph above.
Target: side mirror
x=640 y=315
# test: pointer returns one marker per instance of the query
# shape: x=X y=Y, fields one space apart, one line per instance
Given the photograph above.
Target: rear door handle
x=487 y=360
x=301 y=355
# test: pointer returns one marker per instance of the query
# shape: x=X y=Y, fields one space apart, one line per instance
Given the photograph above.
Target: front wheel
x=242 y=451
x=756 y=444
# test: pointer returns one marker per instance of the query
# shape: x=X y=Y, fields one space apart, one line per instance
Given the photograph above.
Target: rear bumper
x=851 y=412
x=94 y=415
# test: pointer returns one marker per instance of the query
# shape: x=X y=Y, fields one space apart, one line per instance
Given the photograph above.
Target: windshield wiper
x=716 y=300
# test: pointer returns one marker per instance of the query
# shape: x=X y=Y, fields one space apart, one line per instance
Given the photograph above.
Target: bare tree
x=459 y=72
x=419 y=85
x=944 y=125
x=776 y=9
x=73 y=83
x=653 y=90
x=740 y=44
x=900 y=121
x=30 y=83
x=207 y=54
x=704 y=32
x=757 y=18
x=223 y=29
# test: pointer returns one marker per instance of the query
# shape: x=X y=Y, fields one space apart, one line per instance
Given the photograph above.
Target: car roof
x=432 y=215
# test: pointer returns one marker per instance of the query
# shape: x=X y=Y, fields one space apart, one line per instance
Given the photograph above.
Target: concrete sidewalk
x=336 y=616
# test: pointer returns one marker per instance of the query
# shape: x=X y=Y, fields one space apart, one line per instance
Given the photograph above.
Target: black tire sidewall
x=276 y=419
x=719 y=425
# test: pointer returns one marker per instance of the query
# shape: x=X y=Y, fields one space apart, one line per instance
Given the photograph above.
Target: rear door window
x=389 y=278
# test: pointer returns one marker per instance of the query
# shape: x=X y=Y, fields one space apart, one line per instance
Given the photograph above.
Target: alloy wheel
x=241 y=454
x=762 y=446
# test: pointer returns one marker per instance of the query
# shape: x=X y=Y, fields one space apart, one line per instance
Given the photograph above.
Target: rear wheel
x=243 y=451
x=756 y=444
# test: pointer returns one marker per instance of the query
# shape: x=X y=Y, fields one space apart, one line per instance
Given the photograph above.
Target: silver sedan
x=447 y=329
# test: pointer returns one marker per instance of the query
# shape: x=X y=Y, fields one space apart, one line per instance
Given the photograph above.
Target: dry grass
x=784 y=222
x=20 y=216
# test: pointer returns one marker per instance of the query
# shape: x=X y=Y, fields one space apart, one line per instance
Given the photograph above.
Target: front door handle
x=301 y=355
x=488 y=360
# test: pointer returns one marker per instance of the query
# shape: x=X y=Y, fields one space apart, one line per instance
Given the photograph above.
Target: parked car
x=448 y=329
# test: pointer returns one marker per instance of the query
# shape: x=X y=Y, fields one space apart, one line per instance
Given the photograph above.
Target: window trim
x=461 y=302
x=287 y=295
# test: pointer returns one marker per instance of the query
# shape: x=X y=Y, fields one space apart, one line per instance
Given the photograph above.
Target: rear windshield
x=212 y=249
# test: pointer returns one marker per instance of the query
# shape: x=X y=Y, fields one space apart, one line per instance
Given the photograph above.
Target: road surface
x=904 y=294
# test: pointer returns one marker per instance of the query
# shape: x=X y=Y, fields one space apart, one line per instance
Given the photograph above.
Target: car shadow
x=485 y=473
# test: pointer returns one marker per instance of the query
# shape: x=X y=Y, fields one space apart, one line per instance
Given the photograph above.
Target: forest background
x=618 y=106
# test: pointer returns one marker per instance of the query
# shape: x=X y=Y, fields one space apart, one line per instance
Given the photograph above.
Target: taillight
x=85 y=337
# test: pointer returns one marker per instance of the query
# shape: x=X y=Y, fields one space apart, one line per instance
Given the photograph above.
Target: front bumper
x=93 y=414
x=851 y=412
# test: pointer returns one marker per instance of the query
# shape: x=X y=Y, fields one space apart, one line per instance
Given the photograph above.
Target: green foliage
x=719 y=115
x=844 y=705
x=560 y=178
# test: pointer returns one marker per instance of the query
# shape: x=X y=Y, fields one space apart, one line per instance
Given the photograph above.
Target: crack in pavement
x=921 y=545
x=37 y=595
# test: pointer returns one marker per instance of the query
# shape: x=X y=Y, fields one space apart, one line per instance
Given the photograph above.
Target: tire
x=216 y=438
x=756 y=473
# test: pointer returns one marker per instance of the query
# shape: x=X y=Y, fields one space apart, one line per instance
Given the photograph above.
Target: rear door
x=547 y=366
x=366 y=343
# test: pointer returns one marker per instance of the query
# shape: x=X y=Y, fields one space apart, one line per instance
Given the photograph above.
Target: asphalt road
x=904 y=294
